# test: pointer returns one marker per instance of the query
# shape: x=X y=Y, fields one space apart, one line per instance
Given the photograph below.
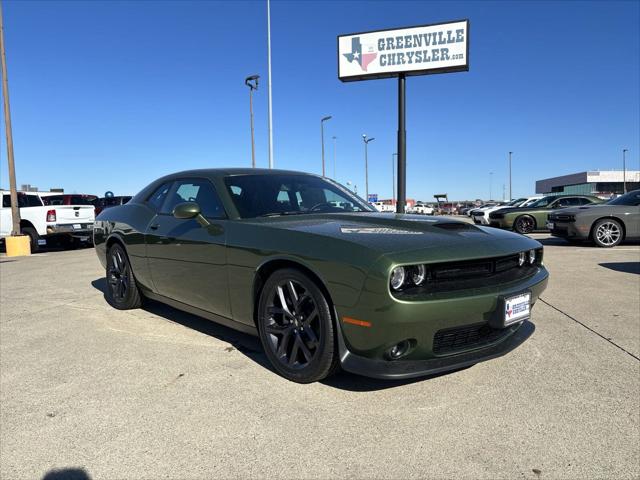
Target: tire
x=524 y=224
x=122 y=290
x=33 y=238
x=607 y=233
x=299 y=336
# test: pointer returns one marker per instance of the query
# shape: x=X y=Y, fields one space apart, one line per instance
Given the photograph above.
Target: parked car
x=108 y=202
x=607 y=224
x=384 y=207
x=69 y=199
x=481 y=216
x=534 y=217
x=421 y=209
x=70 y=224
x=322 y=286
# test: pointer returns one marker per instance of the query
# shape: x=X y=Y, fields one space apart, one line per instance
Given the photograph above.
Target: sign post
x=420 y=50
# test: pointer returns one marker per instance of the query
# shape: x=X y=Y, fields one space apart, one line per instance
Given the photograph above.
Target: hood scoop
x=455 y=226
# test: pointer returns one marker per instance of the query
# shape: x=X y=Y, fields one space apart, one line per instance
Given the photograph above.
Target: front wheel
x=607 y=233
x=524 y=224
x=296 y=328
x=122 y=291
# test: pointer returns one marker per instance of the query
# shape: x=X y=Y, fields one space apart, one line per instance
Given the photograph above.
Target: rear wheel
x=33 y=237
x=607 y=233
x=524 y=224
x=296 y=328
x=122 y=291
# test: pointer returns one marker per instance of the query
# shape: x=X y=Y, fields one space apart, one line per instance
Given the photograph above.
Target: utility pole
x=322 y=120
x=510 y=192
x=624 y=170
x=15 y=210
x=252 y=83
x=366 y=165
x=490 y=185
x=269 y=83
x=402 y=145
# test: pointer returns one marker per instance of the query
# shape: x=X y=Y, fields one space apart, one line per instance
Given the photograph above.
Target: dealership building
x=603 y=183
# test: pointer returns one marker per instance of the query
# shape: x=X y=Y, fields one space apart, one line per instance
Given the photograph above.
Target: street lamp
x=252 y=83
x=366 y=165
x=490 y=185
x=393 y=179
x=624 y=170
x=510 y=194
x=322 y=120
x=334 y=158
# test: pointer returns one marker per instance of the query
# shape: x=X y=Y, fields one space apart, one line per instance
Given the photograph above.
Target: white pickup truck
x=71 y=224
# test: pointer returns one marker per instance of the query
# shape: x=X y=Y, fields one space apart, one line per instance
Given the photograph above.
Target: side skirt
x=227 y=322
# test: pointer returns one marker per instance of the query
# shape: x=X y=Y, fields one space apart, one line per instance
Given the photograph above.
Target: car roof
x=225 y=172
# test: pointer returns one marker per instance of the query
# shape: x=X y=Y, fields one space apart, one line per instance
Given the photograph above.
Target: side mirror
x=187 y=210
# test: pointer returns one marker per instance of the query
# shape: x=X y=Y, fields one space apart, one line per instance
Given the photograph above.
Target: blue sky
x=111 y=95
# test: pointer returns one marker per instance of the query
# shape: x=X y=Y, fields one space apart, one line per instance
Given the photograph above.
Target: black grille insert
x=462 y=338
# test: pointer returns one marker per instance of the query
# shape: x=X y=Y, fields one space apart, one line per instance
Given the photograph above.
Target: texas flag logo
x=357 y=55
x=509 y=311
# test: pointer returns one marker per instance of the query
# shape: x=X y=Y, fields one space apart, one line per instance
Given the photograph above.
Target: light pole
x=13 y=193
x=322 y=120
x=366 y=165
x=269 y=83
x=510 y=193
x=624 y=170
x=490 y=185
x=355 y=187
x=252 y=83
x=393 y=180
x=334 y=158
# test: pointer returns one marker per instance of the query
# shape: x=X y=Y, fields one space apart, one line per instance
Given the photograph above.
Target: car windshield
x=543 y=202
x=631 y=199
x=282 y=194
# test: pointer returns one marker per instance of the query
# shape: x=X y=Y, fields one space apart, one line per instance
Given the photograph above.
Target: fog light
x=399 y=350
x=397 y=278
x=532 y=257
x=521 y=258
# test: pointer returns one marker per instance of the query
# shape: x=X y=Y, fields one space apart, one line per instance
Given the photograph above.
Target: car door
x=6 y=221
x=187 y=261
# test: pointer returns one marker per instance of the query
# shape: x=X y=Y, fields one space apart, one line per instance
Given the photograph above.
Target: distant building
x=600 y=183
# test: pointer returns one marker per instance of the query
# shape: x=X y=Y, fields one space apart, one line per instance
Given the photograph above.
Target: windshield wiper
x=281 y=214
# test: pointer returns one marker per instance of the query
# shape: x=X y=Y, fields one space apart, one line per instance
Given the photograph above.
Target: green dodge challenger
x=323 y=279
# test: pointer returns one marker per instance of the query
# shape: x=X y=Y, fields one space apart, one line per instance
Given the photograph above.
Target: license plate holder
x=516 y=308
x=77 y=226
x=550 y=225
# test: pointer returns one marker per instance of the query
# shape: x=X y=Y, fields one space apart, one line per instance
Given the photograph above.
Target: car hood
x=506 y=210
x=394 y=233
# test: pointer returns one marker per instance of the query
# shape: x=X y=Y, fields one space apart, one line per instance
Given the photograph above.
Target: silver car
x=606 y=224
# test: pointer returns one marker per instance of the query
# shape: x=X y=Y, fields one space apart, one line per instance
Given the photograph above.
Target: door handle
x=154 y=226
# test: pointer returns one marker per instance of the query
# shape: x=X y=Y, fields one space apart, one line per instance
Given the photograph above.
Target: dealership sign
x=438 y=48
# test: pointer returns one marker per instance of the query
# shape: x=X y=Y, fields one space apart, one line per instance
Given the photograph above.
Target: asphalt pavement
x=90 y=392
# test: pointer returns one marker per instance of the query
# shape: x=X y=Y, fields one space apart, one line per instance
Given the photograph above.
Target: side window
x=6 y=201
x=199 y=191
x=573 y=202
x=584 y=201
x=157 y=198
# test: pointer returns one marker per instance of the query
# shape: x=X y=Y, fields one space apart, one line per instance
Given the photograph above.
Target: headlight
x=521 y=258
x=418 y=273
x=397 y=277
x=532 y=257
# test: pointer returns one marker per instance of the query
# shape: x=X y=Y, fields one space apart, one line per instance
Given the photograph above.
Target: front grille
x=478 y=214
x=560 y=217
x=453 y=276
x=451 y=340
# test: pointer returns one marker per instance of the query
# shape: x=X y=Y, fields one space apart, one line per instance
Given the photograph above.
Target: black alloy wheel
x=524 y=224
x=122 y=290
x=296 y=328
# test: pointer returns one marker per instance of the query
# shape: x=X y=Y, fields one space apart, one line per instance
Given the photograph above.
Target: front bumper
x=364 y=350
x=403 y=369
x=567 y=230
x=480 y=220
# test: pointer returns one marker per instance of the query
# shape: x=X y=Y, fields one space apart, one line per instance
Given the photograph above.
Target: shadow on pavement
x=624 y=267
x=250 y=346
x=67 y=474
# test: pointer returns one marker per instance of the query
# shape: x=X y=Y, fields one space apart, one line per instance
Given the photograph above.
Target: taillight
x=51 y=216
